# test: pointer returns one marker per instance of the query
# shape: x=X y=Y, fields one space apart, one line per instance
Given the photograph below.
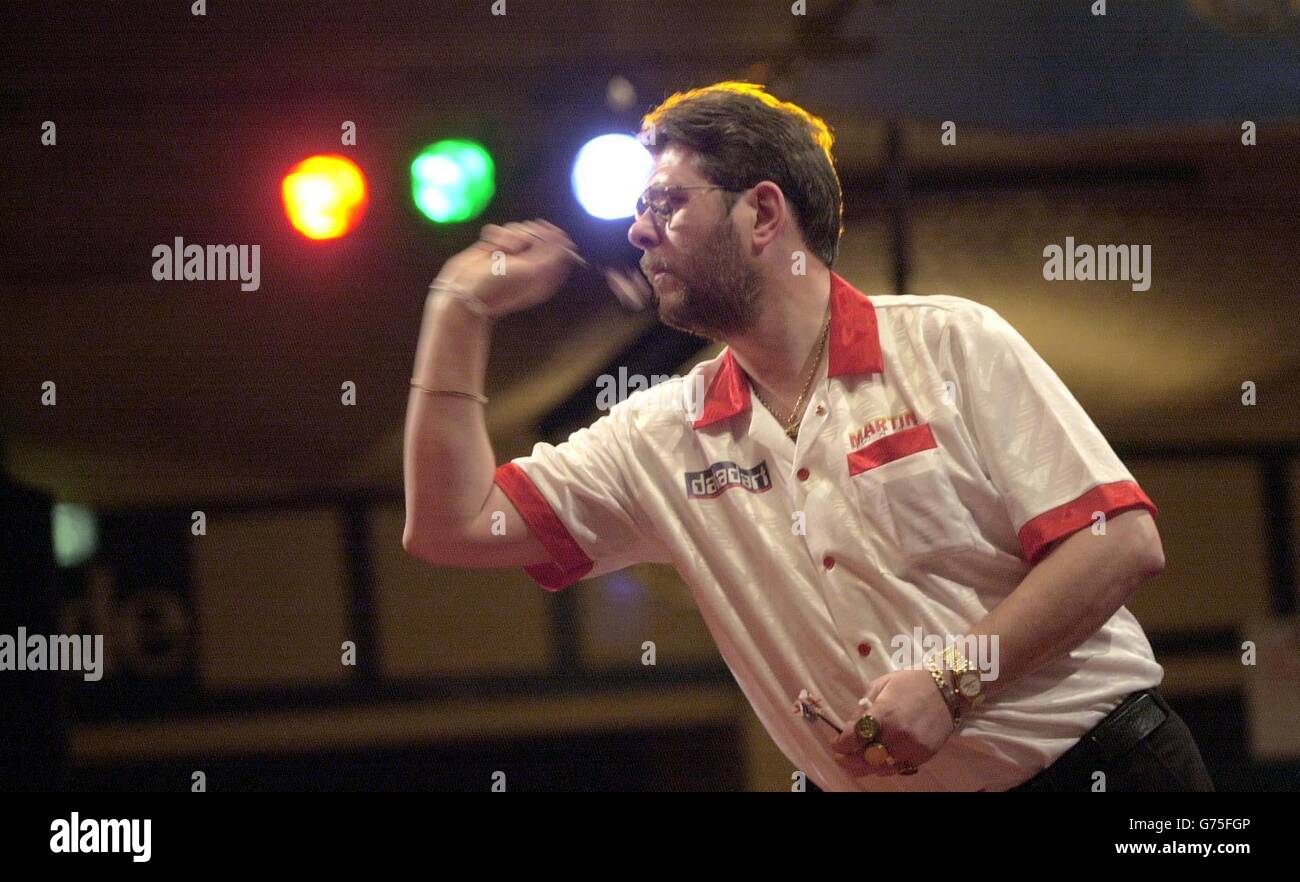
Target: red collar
x=854 y=349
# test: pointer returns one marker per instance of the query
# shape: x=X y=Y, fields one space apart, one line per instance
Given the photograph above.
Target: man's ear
x=771 y=212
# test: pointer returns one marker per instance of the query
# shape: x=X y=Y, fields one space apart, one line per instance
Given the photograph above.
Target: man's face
x=712 y=284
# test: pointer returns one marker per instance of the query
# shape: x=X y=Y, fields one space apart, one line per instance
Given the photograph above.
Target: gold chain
x=790 y=426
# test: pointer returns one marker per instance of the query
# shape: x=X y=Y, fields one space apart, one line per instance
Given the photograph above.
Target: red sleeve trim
x=1041 y=532
x=569 y=562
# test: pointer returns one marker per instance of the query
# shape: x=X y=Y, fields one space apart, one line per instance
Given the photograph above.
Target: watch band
x=946 y=690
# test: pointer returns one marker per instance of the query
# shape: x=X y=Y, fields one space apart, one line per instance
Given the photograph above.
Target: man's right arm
x=448 y=461
x=452 y=503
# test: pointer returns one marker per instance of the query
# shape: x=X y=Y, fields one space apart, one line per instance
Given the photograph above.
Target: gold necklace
x=790 y=426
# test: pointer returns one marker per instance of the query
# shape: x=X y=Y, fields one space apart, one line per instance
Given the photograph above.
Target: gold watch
x=969 y=684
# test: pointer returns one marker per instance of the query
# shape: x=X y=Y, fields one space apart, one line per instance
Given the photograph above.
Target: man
x=912 y=525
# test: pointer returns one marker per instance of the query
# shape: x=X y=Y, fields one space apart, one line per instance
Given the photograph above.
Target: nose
x=643 y=233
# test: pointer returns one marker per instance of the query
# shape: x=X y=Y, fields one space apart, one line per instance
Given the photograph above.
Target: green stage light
x=76 y=534
x=453 y=181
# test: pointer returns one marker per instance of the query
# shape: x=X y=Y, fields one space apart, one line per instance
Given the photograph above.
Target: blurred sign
x=135 y=593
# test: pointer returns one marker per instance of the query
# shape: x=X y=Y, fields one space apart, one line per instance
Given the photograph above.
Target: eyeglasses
x=660 y=199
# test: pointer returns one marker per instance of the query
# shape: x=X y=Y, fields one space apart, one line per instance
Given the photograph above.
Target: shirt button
x=802 y=474
x=821 y=409
x=864 y=648
x=828 y=562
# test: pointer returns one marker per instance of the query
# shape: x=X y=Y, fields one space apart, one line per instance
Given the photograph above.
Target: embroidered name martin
x=720 y=476
x=881 y=426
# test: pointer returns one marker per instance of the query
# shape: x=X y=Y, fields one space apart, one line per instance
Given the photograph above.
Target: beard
x=713 y=292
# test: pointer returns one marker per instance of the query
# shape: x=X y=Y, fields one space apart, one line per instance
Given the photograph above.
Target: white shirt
x=938 y=460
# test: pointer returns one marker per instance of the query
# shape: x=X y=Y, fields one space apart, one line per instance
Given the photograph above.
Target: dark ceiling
x=171 y=124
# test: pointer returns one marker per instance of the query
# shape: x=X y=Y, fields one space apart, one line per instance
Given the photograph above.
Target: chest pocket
x=902 y=478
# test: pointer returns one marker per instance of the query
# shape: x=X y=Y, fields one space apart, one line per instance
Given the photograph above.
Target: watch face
x=867 y=729
x=969 y=685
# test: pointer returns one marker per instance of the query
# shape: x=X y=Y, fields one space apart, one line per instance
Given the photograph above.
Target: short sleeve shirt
x=938 y=460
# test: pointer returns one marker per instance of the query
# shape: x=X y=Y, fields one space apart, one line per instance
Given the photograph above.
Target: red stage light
x=325 y=196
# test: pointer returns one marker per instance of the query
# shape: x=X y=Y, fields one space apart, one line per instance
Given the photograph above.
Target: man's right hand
x=508 y=269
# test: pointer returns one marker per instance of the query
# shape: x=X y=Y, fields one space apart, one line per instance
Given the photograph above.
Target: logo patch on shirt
x=880 y=427
x=720 y=476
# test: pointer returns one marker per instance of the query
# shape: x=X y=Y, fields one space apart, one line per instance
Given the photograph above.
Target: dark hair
x=743 y=135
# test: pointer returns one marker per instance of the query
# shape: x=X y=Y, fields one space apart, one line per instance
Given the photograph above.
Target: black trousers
x=1142 y=745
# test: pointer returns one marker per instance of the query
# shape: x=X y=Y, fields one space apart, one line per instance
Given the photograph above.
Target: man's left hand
x=914 y=723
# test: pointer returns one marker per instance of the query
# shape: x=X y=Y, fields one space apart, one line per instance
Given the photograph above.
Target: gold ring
x=876 y=754
x=867 y=728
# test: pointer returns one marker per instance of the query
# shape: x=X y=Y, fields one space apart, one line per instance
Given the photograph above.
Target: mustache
x=650 y=267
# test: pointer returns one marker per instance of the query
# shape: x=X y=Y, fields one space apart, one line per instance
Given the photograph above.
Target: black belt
x=1119 y=732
